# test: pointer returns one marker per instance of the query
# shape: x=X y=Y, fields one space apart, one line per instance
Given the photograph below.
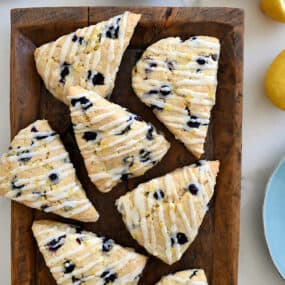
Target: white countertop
x=263 y=127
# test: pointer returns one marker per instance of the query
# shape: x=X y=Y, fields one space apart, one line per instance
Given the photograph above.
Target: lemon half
x=274 y=8
x=275 y=81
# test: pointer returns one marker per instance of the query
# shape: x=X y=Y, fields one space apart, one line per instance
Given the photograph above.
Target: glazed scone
x=165 y=213
x=114 y=143
x=37 y=172
x=185 y=277
x=89 y=57
x=178 y=81
x=78 y=257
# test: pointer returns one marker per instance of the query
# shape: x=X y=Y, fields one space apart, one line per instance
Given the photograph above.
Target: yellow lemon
x=275 y=81
x=274 y=8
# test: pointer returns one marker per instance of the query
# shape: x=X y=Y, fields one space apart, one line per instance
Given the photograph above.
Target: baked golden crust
x=178 y=80
x=78 y=257
x=185 y=277
x=37 y=172
x=114 y=143
x=165 y=213
x=89 y=57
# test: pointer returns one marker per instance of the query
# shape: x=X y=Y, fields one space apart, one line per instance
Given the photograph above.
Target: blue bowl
x=274 y=217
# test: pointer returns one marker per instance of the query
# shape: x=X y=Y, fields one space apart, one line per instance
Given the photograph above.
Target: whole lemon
x=274 y=8
x=275 y=81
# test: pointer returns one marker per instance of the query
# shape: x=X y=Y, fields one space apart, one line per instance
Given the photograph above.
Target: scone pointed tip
x=36 y=53
x=90 y=216
x=2 y=192
x=2 y=173
x=73 y=91
x=196 y=154
x=188 y=276
x=134 y=17
x=37 y=224
x=215 y=165
x=40 y=122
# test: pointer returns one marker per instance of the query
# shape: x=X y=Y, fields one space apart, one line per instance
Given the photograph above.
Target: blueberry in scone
x=84 y=258
x=185 y=277
x=37 y=172
x=163 y=215
x=178 y=81
x=89 y=57
x=115 y=144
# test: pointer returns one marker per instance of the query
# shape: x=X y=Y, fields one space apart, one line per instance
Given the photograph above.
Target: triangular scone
x=186 y=277
x=178 y=80
x=114 y=143
x=164 y=214
x=37 y=172
x=89 y=57
x=79 y=257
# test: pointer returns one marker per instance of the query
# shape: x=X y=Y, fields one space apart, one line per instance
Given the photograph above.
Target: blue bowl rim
x=267 y=190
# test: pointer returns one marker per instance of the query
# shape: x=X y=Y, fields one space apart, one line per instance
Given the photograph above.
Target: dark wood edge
x=29 y=17
x=12 y=128
x=12 y=64
x=238 y=35
x=25 y=17
x=12 y=60
x=236 y=20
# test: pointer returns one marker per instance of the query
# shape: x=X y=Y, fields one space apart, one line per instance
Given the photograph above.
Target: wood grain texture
x=216 y=247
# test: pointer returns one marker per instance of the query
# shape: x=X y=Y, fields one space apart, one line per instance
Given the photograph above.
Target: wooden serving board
x=216 y=247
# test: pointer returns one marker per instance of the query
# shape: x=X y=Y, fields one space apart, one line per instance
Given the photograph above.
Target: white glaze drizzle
x=184 y=80
x=128 y=143
x=143 y=207
x=184 y=281
x=164 y=232
x=72 y=50
x=39 y=190
x=90 y=247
